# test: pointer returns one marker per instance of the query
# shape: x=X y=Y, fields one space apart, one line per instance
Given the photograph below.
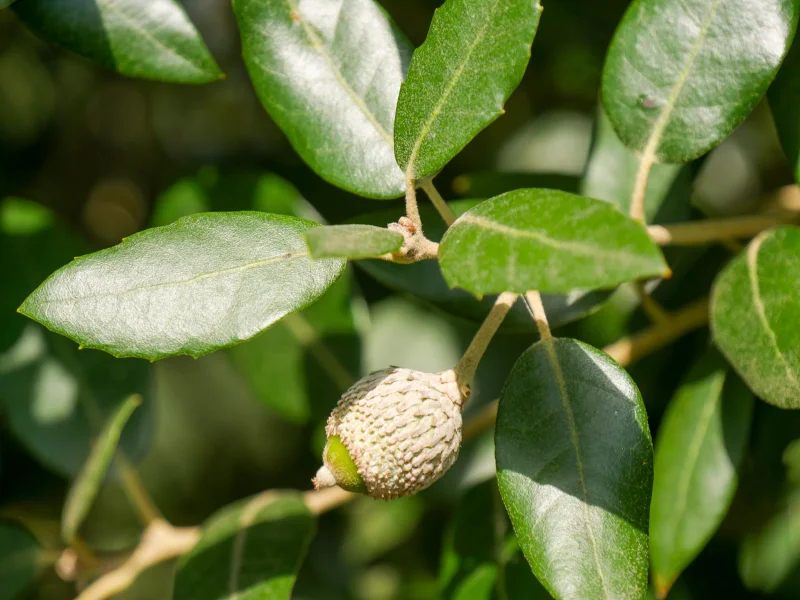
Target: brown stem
x=715 y=230
x=447 y=214
x=534 y=301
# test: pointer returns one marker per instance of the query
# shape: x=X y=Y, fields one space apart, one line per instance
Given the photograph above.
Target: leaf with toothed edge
x=474 y=56
x=205 y=282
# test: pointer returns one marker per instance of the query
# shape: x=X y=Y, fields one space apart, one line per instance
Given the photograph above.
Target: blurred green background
x=107 y=156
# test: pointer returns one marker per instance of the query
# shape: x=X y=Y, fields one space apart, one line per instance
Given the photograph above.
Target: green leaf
x=205 y=282
x=57 y=398
x=424 y=280
x=352 y=241
x=679 y=77
x=699 y=449
x=86 y=486
x=329 y=76
x=250 y=550
x=474 y=56
x=375 y=528
x=769 y=555
x=19 y=560
x=611 y=174
x=754 y=308
x=546 y=240
x=575 y=467
x=784 y=100
x=153 y=39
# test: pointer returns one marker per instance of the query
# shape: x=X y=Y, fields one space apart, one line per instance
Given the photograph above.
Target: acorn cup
x=393 y=433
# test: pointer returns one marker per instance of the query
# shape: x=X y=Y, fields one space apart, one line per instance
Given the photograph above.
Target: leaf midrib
x=758 y=303
x=317 y=44
x=549 y=346
x=693 y=455
x=660 y=125
x=111 y=7
x=222 y=272
x=437 y=109
x=575 y=247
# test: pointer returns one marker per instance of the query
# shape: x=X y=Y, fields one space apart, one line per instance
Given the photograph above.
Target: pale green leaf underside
x=250 y=550
x=575 y=467
x=546 y=240
x=86 y=486
x=754 y=312
x=205 y=282
x=329 y=75
x=153 y=39
x=473 y=58
x=699 y=448
x=681 y=76
x=352 y=241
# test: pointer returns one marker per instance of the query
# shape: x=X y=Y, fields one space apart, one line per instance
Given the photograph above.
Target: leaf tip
x=667 y=273
x=662 y=587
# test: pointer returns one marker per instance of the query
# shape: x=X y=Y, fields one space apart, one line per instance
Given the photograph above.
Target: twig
x=412 y=209
x=715 y=230
x=438 y=202
x=466 y=367
x=637 y=209
x=160 y=542
x=146 y=509
x=654 y=311
x=678 y=323
x=534 y=302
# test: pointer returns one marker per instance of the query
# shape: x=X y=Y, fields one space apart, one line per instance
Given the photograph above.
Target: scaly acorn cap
x=393 y=433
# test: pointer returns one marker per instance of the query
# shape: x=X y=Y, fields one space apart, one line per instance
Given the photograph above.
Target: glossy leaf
x=19 y=560
x=329 y=75
x=611 y=174
x=248 y=551
x=546 y=240
x=784 y=100
x=352 y=241
x=205 y=282
x=153 y=39
x=424 y=280
x=575 y=467
x=699 y=449
x=754 y=308
x=768 y=556
x=84 y=489
x=474 y=56
x=679 y=77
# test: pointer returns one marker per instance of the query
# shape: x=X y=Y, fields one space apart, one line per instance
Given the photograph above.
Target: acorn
x=393 y=433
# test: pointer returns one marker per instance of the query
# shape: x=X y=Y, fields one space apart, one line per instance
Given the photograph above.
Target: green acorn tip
x=338 y=469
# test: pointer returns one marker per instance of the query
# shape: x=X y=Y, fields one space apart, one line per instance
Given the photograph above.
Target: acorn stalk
x=396 y=431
